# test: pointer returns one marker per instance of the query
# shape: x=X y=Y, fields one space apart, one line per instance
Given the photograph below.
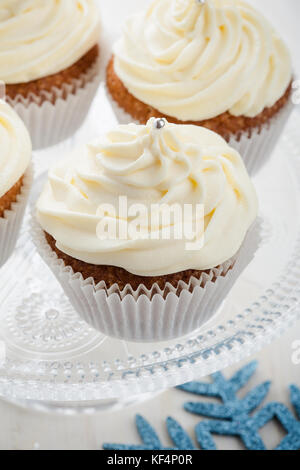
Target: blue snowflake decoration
x=291 y=424
x=232 y=417
x=151 y=441
x=233 y=414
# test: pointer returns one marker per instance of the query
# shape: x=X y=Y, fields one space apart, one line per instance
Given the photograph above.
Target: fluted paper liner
x=255 y=146
x=11 y=223
x=148 y=315
x=48 y=123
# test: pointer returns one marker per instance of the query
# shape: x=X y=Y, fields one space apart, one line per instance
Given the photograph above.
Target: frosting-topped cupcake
x=15 y=177
x=41 y=38
x=15 y=155
x=172 y=165
x=144 y=285
x=48 y=50
x=218 y=64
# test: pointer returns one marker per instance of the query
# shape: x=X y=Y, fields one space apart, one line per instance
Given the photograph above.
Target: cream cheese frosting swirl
x=42 y=37
x=195 y=62
x=15 y=148
x=149 y=165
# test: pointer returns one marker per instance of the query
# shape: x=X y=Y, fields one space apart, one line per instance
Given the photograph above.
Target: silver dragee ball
x=159 y=123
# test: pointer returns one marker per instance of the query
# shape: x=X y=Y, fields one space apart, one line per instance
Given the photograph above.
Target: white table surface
x=22 y=429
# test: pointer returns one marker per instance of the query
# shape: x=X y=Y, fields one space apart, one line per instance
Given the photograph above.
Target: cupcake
x=15 y=177
x=49 y=62
x=217 y=64
x=148 y=228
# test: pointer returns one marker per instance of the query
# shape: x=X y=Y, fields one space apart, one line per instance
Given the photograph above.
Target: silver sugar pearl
x=160 y=123
x=200 y=2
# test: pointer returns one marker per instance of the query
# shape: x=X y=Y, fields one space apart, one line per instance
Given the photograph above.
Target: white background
x=21 y=429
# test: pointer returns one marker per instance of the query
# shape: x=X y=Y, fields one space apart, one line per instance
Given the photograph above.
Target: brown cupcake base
x=43 y=85
x=113 y=275
x=225 y=124
x=10 y=197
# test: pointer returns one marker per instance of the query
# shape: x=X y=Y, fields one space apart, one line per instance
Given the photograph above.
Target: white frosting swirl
x=42 y=37
x=15 y=148
x=172 y=165
x=195 y=62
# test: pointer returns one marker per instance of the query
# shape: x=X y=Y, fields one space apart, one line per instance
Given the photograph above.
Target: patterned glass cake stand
x=52 y=360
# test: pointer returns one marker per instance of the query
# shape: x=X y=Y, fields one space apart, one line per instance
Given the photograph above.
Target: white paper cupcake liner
x=11 y=223
x=148 y=315
x=48 y=123
x=255 y=148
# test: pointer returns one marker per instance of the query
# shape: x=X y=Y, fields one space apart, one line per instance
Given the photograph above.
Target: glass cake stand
x=51 y=360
